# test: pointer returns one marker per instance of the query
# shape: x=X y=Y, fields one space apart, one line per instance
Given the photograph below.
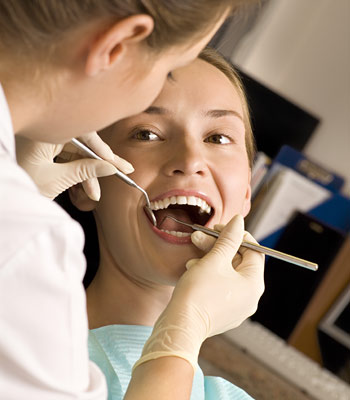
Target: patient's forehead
x=202 y=85
x=194 y=88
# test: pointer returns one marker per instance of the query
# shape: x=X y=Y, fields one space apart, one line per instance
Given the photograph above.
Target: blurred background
x=301 y=51
x=294 y=60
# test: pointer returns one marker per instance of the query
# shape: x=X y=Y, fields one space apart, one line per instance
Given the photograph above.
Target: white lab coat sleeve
x=43 y=321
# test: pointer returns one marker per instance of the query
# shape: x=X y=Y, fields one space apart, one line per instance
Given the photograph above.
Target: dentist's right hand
x=52 y=178
x=217 y=293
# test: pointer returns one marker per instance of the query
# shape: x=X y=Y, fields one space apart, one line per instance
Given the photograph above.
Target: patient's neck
x=114 y=298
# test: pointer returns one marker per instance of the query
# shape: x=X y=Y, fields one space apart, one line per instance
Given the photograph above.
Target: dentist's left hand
x=52 y=178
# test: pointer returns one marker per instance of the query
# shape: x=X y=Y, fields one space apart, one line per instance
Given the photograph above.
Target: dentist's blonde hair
x=214 y=58
x=33 y=32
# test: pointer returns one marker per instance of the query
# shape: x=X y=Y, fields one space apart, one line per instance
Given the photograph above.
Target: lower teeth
x=175 y=233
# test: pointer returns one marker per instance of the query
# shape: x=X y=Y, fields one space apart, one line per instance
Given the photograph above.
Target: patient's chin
x=178 y=268
x=171 y=273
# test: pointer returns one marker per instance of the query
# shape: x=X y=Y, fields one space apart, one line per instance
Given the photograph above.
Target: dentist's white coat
x=43 y=321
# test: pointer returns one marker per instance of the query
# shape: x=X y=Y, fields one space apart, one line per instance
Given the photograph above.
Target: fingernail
x=92 y=189
x=124 y=165
x=95 y=195
x=197 y=237
x=190 y=264
x=219 y=227
x=239 y=219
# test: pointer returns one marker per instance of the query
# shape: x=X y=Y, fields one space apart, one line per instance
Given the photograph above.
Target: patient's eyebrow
x=222 y=113
x=156 y=110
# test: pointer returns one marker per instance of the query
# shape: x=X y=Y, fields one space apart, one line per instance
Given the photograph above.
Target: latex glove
x=52 y=178
x=211 y=297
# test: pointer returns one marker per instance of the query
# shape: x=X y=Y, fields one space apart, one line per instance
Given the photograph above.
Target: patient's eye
x=218 y=138
x=145 y=135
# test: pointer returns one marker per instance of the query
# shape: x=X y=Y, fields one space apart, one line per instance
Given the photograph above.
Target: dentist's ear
x=80 y=199
x=110 y=46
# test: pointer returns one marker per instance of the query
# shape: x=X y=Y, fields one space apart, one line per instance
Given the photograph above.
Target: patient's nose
x=186 y=159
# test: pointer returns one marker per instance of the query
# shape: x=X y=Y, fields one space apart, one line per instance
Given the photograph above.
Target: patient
x=192 y=152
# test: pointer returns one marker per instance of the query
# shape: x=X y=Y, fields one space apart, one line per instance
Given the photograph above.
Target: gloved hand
x=217 y=293
x=52 y=178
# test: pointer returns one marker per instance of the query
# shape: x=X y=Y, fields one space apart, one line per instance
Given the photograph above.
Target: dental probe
x=257 y=247
x=120 y=175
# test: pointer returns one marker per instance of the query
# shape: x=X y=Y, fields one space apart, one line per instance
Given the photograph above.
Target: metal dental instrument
x=257 y=247
x=120 y=175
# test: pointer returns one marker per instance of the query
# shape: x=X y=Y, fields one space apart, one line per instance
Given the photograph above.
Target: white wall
x=301 y=48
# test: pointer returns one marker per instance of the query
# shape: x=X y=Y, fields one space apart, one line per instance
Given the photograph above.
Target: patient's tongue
x=169 y=224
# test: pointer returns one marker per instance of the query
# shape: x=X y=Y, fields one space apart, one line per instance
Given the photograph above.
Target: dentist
x=68 y=67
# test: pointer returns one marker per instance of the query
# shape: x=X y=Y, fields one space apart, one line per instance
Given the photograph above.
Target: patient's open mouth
x=191 y=209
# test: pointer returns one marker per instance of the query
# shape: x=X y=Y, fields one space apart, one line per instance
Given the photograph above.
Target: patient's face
x=189 y=154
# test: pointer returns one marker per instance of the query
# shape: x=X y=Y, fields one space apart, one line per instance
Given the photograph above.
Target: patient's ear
x=246 y=207
x=80 y=199
x=247 y=199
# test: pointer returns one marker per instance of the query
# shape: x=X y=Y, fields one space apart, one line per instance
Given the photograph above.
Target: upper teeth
x=190 y=200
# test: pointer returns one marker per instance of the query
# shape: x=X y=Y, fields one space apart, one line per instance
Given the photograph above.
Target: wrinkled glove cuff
x=182 y=339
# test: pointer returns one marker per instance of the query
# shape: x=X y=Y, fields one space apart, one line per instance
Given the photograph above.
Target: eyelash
x=206 y=140
x=222 y=135
x=140 y=131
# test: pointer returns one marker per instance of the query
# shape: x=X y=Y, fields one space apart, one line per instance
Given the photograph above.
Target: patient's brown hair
x=214 y=58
